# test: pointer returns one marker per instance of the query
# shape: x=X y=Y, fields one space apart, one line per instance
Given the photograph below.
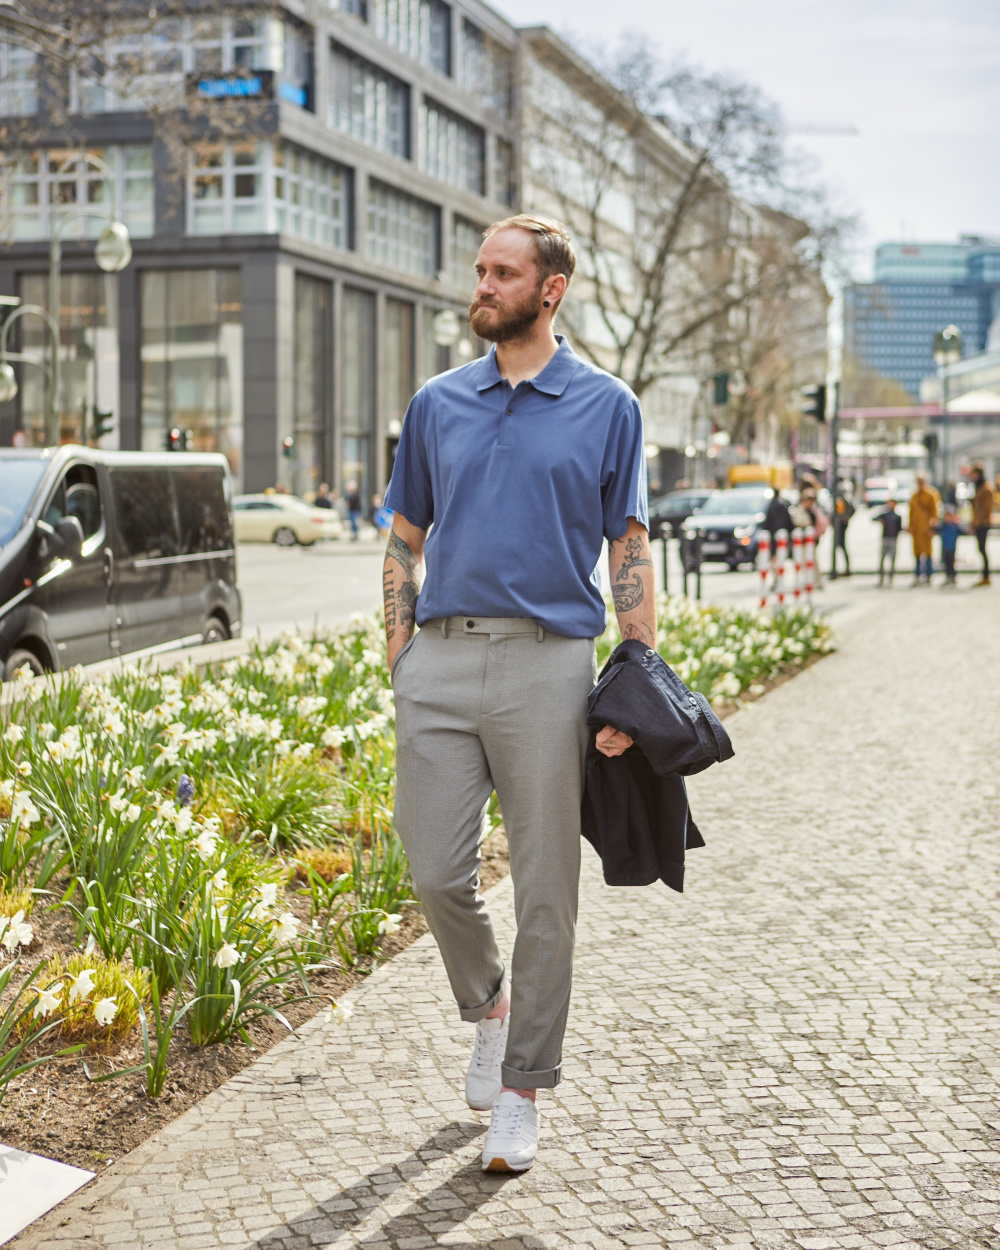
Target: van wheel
x=214 y=631
x=18 y=659
x=285 y=537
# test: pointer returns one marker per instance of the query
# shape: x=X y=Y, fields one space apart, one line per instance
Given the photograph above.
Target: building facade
x=305 y=189
x=919 y=288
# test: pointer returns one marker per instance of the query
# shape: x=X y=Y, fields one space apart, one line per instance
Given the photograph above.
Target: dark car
x=112 y=553
x=728 y=523
x=674 y=509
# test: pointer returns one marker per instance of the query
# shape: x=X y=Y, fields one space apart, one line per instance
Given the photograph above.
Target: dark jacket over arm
x=635 y=808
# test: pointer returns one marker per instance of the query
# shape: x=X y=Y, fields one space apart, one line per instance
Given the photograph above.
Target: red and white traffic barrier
x=781 y=579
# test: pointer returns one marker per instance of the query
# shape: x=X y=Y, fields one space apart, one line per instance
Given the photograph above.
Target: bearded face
x=499 y=322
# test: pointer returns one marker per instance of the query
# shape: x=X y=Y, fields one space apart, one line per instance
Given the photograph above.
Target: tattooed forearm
x=401 y=574
x=642 y=632
x=389 y=599
x=628 y=596
x=634 y=558
x=397 y=550
x=406 y=604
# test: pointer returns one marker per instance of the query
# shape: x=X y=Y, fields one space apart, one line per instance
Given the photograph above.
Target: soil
x=55 y=1111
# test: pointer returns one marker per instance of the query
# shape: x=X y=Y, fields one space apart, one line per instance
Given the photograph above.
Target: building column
x=266 y=342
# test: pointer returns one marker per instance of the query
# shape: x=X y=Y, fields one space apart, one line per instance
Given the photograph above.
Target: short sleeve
x=623 y=473
x=410 y=489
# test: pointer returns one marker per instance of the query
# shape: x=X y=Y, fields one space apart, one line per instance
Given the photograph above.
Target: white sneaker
x=483 y=1079
x=512 y=1140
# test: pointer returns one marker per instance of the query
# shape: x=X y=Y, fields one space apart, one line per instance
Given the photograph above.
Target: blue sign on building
x=258 y=85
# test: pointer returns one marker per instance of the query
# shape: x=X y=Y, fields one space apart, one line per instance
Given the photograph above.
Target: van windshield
x=18 y=479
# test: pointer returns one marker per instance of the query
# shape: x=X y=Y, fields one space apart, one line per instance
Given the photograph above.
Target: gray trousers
x=484 y=704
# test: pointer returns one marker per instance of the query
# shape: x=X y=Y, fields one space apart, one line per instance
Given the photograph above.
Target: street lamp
x=947 y=351
x=8 y=379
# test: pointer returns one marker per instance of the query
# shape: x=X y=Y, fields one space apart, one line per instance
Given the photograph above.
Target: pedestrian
x=382 y=516
x=339 y=504
x=892 y=524
x=352 y=497
x=843 y=510
x=811 y=514
x=982 y=516
x=923 y=518
x=323 y=499
x=777 y=519
x=948 y=530
x=491 y=693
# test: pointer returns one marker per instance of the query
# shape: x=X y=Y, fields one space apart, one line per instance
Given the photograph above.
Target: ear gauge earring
x=545 y=303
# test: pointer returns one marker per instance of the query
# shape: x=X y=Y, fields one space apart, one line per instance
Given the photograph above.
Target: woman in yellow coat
x=923 y=520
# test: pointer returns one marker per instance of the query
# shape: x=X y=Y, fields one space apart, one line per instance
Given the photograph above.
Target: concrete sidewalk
x=800 y=1051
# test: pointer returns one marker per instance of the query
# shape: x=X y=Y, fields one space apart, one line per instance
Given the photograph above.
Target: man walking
x=923 y=521
x=843 y=510
x=982 y=516
x=523 y=461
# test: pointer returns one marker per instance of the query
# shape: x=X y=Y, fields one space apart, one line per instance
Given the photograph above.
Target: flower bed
x=198 y=853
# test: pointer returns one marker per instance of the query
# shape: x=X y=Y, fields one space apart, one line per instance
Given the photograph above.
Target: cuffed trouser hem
x=474 y=1014
x=547 y=1079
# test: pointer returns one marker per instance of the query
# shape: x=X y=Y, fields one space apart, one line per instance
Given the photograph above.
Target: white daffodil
x=390 y=924
x=269 y=893
x=91 y=945
x=219 y=879
x=285 y=928
x=133 y=812
x=13 y=734
x=340 y=1013
x=83 y=986
x=134 y=776
x=24 y=768
x=205 y=843
x=23 y=809
x=226 y=957
x=17 y=932
x=48 y=1001
x=105 y=1012
x=117 y=802
x=182 y=820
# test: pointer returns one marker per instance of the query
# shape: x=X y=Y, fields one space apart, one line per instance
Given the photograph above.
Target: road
x=298 y=587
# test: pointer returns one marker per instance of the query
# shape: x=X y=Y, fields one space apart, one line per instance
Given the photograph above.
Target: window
x=397 y=358
x=452 y=148
x=369 y=104
x=144 y=510
x=420 y=28
x=77 y=495
x=202 y=512
x=485 y=68
x=357 y=394
x=356 y=8
x=311 y=415
x=503 y=172
x=192 y=359
x=311 y=196
x=35 y=185
x=18 y=80
x=226 y=189
x=137 y=67
x=402 y=231
x=466 y=240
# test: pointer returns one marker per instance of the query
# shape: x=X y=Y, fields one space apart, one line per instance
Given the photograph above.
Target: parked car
x=729 y=521
x=283 y=519
x=878 y=489
x=112 y=553
x=674 y=509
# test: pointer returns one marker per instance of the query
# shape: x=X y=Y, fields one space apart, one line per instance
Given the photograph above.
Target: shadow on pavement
x=439 y=1210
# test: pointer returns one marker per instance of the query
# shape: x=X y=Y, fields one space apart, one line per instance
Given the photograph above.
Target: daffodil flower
x=340 y=1013
x=13 y=734
x=227 y=956
x=82 y=987
x=48 y=1001
x=17 y=932
x=285 y=928
x=390 y=924
x=105 y=1011
x=24 y=768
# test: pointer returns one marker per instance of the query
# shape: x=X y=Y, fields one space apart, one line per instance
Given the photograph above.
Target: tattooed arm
x=401 y=575
x=633 y=591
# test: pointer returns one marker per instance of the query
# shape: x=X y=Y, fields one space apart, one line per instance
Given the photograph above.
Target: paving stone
x=800 y=1051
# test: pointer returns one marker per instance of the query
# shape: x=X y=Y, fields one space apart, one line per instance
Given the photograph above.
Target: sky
x=919 y=79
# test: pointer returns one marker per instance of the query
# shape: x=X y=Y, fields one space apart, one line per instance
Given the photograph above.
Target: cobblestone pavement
x=799 y=1052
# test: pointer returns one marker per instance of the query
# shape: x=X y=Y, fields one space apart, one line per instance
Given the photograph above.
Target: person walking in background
x=777 y=518
x=843 y=510
x=353 y=498
x=923 y=518
x=323 y=499
x=982 y=515
x=948 y=530
x=892 y=524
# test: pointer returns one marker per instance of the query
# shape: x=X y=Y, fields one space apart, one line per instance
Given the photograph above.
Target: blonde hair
x=553 y=246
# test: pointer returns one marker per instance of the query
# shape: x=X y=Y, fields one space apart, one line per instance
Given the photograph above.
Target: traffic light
x=814 y=402
x=288 y=446
x=930 y=441
x=179 y=440
x=102 y=423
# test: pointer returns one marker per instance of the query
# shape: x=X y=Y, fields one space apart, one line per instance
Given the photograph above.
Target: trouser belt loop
x=541 y=634
x=444 y=627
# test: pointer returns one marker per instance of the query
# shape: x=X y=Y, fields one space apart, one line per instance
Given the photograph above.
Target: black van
x=108 y=553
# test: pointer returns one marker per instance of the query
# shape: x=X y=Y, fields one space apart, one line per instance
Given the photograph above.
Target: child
x=892 y=524
x=949 y=529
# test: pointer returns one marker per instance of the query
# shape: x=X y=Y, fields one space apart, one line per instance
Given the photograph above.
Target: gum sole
x=501 y=1165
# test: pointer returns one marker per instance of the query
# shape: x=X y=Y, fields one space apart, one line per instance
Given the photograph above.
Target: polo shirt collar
x=552 y=380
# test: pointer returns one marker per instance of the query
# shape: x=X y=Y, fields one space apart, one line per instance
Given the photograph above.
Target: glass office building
x=285 y=275
x=889 y=324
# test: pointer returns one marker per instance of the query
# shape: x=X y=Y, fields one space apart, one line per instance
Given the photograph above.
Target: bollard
x=781 y=556
x=764 y=556
x=810 y=550
x=797 y=564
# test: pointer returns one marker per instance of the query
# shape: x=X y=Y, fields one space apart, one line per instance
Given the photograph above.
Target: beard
x=508 y=322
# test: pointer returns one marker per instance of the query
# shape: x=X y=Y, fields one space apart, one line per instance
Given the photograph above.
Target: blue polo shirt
x=519 y=488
